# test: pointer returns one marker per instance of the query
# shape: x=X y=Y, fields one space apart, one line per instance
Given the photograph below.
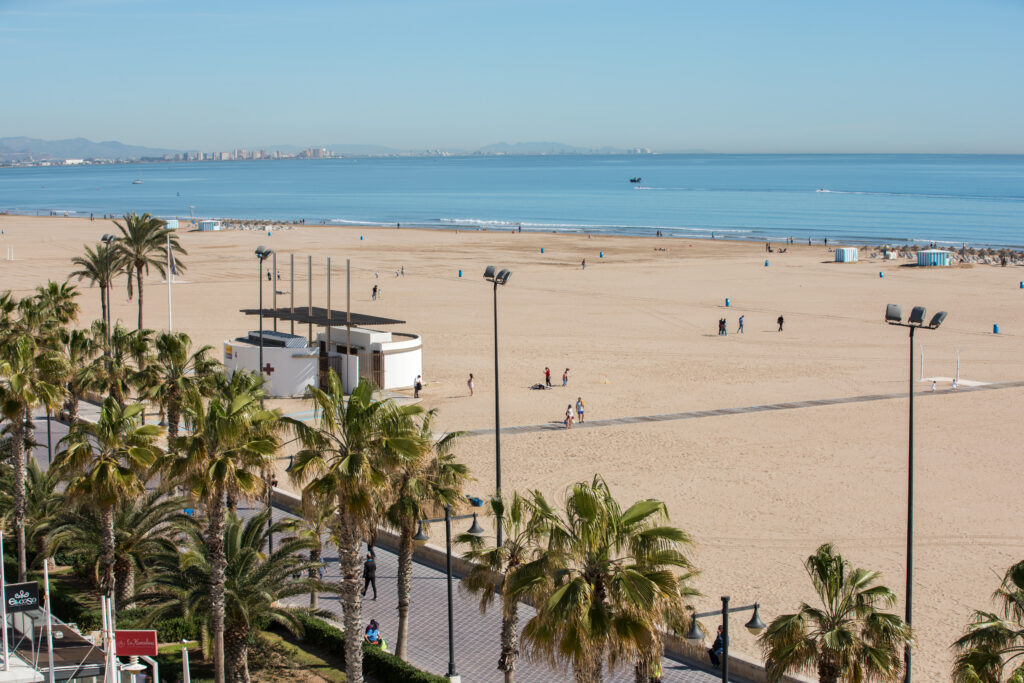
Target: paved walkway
x=718 y=412
x=477 y=636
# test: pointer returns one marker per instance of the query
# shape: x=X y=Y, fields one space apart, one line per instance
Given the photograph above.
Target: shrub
x=381 y=666
x=170 y=630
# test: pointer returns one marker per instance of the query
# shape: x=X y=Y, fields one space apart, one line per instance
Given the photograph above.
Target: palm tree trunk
x=315 y=555
x=588 y=671
x=173 y=418
x=18 y=462
x=232 y=501
x=103 y=303
x=236 y=653
x=218 y=563
x=138 y=274
x=349 y=539
x=828 y=672
x=509 y=638
x=124 y=578
x=109 y=578
x=404 y=588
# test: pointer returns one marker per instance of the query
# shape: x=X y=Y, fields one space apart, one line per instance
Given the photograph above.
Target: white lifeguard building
x=351 y=344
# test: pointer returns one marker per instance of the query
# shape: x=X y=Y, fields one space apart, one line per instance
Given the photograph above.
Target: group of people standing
x=722 y=331
x=547 y=377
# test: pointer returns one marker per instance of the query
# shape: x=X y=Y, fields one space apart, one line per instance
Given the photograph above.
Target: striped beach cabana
x=933 y=257
x=846 y=255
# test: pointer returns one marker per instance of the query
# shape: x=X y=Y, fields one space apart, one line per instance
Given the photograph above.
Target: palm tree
x=602 y=580
x=994 y=640
x=98 y=267
x=106 y=462
x=79 y=349
x=43 y=501
x=115 y=372
x=342 y=459
x=180 y=370
x=317 y=520
x=143 y=528
x=231 y=442
x=849 y=637
x=57 y=301
x=493 y=568
x=143 y=244
x=255 y=584
x=420 y=484
x=25 y=372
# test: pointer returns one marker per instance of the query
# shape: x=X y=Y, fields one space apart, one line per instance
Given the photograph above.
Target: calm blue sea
x=846 y=198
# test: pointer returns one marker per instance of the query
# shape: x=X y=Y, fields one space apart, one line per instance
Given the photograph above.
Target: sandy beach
x=758 y=490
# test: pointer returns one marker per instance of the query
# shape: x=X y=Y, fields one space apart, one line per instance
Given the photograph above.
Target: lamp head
x=421 y=536
x=695 y=632
x=262 y=252
x=107 y=239
x=755 y=625
x=937 y=319
x=502 y=277
x=489 y=273
x=476 y=529
x=893 y=314
x=917 y=315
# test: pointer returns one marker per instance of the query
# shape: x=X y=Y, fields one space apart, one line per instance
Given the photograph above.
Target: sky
x=730 y=76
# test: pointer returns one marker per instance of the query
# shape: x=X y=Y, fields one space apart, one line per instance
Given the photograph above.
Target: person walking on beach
x=568 y=416
x=470 y=384
x=955 y=384
x=739 y=330
x=370 y=575
x=547 y=377
x=933 y=385
x=583 y=263
x=373 y=293
x=417 y=386
x=565 y=377
x=579 y=409
x=716 y=650
x=780 y=321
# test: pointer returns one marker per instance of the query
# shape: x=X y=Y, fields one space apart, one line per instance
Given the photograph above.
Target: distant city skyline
x=740 y=77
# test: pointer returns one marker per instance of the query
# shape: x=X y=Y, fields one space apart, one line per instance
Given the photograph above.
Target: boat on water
x=137 y=181
x=635 y=180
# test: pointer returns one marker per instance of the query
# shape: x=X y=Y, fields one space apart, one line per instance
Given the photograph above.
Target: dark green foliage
x=383 y=667
x=169 y=630
x=65 y=606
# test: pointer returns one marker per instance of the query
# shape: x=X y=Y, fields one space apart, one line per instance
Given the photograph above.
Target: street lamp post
x=420 y=538
x=498 y=277
x=755 y=626
x=262 y=253
x=894 y=316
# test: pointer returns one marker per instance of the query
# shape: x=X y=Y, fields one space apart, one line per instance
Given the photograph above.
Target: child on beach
x=470 y=384
x=547 y=377
x=568 y=416
x=565 y=377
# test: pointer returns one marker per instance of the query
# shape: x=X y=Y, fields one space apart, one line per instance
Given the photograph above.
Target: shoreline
x=1014 y=255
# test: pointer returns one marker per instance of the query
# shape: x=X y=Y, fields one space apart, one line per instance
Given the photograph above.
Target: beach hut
x=172 y=224
x=933 y=257
x=209 y=226
x=846 y=255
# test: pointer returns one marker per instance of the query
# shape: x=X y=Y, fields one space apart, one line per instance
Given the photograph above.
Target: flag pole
x=49 y=618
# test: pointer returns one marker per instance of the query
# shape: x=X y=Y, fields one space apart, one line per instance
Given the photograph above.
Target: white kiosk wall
x=290 y=370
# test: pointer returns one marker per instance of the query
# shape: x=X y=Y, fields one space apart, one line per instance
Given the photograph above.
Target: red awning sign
x=135 y=643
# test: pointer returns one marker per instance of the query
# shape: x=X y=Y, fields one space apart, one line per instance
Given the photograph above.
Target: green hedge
x=381 y=666
x=171 y=630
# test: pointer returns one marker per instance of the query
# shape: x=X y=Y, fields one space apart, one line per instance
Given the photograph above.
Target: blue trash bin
x=727 y=302
x=995 y=329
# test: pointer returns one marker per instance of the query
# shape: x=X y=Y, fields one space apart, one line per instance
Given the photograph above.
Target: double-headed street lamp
x=498 y=277
x=420 y=538
x=894 y=316
x=755 y=626
x=262 y=253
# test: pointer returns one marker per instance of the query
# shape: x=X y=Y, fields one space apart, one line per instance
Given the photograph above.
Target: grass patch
x=298 y=662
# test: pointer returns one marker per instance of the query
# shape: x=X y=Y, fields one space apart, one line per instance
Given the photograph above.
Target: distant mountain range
x=34 y=149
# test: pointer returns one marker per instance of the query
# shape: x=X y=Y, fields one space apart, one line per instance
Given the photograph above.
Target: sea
x=848 y=199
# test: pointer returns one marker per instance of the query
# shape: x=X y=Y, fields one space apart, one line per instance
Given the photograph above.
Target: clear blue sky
x=709 y=75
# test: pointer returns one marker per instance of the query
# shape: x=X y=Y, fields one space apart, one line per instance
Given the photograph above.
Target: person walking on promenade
x=370 y=575
x=565 y=377
x=716 y=650
x=470 y=384
x=780 y=321
x=579 y=409
x=547 y=376
x=739 y=330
